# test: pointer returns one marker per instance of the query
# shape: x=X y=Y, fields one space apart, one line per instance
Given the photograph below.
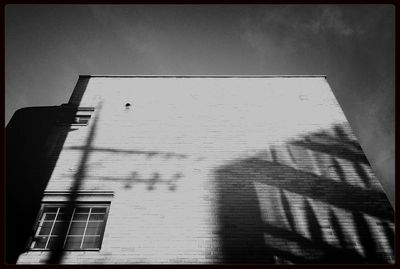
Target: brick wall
x=223 y=170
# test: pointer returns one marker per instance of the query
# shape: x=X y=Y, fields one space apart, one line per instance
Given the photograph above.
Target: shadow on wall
x=311 y=200
x=134 y=178
x=33 y=144
x=154 y=182
x=57 y=249
x=57 y=252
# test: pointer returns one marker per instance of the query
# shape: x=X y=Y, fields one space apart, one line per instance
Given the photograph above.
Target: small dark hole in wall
x=127 y=105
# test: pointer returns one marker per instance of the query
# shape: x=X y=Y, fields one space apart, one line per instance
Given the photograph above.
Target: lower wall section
x=313 y=199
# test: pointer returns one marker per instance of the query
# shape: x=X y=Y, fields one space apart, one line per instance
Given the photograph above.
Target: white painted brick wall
x=189 y=128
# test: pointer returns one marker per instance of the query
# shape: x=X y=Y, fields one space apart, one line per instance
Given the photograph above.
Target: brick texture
x=222 y=170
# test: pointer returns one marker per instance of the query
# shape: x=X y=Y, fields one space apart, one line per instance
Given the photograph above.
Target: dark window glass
x=97 y=216
x=82 y=210
x=52 y=241
x=59 y=227
x=80 y=216
x=99 y=210
x=40 y=241
x=63 y=217
x=49 y=216
x=45 y=227
x=73 y=242
x=77 y=228
x=82 y=230
x=91 y=241
x=94 y=228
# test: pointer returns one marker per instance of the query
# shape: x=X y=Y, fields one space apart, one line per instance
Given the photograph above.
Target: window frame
x=79 y=204
x=79 y=116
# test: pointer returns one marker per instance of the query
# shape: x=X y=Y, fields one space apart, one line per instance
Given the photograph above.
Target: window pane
x=81 y=120
x=94 y=228
x=96 y=216
x=91 y=242
x=49 y=216
x=63 y=217
x=99 y=210
x=40 y=242
x=50 y=209
x=66 y=210
x=59 y=228
x=73 y=242
x=79 y=216
x=82 y=210
x=85 y=228
x=45 y=228
x=77 y=228
x=53 y=241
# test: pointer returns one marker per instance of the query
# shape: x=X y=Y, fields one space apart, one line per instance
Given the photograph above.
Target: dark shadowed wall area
x=32 y=149
x=34 y=139
x=312 y=200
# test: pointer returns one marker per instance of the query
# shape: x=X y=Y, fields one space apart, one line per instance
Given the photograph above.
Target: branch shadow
x=274 y=207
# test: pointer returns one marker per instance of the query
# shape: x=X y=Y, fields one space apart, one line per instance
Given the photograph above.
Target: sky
x=48 y=46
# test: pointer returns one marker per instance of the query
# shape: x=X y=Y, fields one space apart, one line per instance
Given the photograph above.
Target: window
x=81 y=119
x=75 y=116
x=84 y=228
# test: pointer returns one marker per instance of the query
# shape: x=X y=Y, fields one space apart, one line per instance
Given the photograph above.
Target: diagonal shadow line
x=122 y=151
x=361 y=173
x=305 y=183
x=79 y=90
x=346 y=137
x=337 y=228
x=287 y=210
x=314 y=228
x=336 y=149
x=340 y=137
x=57 y=252
x=339 y=170
x=389 y=233
x=328 y=253
x=366 y=238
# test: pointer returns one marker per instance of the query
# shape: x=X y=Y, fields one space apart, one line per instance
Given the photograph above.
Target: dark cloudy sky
x=48 y=46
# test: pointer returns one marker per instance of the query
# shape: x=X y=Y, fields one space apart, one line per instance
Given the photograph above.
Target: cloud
x=295 y=28
x=136 y=29
x=131 y=29
x=330 y=18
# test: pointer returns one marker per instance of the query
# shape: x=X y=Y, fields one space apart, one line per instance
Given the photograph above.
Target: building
x=182 y=169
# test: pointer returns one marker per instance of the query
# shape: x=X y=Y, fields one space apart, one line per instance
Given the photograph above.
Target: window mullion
x=38 y=229
x=84 y=232
x=52 y=226
x=40 y=224
x=69 y=227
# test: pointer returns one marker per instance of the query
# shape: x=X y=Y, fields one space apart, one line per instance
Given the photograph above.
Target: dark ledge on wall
x=203 y=76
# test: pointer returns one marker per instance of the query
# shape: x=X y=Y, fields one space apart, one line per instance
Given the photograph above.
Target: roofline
x=201 y=76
